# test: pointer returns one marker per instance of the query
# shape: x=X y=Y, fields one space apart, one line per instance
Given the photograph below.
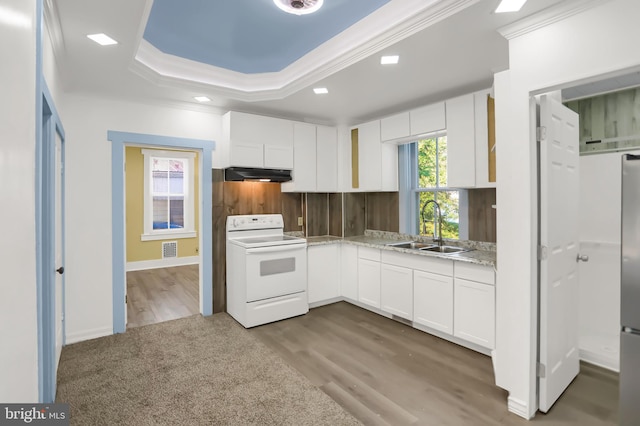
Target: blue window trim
x=119 y=140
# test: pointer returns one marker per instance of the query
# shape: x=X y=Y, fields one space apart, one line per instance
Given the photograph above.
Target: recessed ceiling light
x=299 y=7
x=389 y=60
x=102 y=39
x=320 y=90
x=510 y=6
x=201 y=99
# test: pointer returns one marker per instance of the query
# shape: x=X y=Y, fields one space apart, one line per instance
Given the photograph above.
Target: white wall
x=18 y=314
x=88 y=196
x=549 y=57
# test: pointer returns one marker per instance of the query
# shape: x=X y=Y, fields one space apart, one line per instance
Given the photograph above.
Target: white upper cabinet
x=394 y=127
x=315 y=159
x=377 y=162
x=467 y=141
x=428 y=119
x=406 y=126
x=461 y=142
x=327 y=159
x=304 y=159
x=256 y=141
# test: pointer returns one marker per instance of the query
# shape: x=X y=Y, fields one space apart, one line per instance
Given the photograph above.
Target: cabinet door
x=327 y=159
x=323 y=272
x=461 y=144
x=244 y=154
x=349 y=271
x=395 y=127
x=433 y=301
x=369 y=282
x=396 y=290
x=304 y=159
x=370 y=156
x=278 y=157
x=389 y=171
x=475 y=312
x=428 y=119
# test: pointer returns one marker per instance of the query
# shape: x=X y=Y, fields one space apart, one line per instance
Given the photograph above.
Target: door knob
x=582 y=258
x=60 y=270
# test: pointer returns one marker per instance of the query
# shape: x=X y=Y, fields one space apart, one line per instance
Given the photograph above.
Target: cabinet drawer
x=479 y=273
x=369 y=253
x=419 y=262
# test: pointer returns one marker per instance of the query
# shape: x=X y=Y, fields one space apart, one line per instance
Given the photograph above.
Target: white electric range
x=266 y=270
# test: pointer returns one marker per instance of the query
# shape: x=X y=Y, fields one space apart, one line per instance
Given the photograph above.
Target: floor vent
x=169 y=249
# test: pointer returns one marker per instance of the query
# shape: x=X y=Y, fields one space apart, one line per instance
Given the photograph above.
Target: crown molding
x=547 y=17
x=386 y=26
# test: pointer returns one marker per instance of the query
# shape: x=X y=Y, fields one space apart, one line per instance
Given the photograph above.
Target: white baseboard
x=325 y=302
x=607 y=362
x=88 y=335
x=162 y=263
x=518 y=407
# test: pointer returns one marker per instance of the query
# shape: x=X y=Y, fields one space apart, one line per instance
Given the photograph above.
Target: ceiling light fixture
x=299 y=7
x=102 y=39
x=320 y=90
x=201 y=99
x=510 y=6
x=389 y=60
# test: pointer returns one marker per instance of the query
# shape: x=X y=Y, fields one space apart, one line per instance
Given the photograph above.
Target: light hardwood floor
x=386 y=373
x=163 y=294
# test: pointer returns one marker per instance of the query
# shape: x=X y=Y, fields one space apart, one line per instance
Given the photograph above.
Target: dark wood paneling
x=219 y=220
x=317 y=214
x=482 y=217
x=292 y=210
x=354 y=213
x=335 y=215
x=382 y=211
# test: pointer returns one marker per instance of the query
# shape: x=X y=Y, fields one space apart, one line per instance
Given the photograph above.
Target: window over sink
x=423 y=166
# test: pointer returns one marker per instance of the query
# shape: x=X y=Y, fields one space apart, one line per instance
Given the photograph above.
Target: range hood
x=235 y=174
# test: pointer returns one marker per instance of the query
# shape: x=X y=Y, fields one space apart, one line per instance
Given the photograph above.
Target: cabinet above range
x=256 y=141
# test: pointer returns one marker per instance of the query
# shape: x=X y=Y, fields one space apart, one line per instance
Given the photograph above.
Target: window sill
x=171 y=235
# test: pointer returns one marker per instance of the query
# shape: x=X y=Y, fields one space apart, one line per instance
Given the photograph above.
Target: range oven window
x=277 y=266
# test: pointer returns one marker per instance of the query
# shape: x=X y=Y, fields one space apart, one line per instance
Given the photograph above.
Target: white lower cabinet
x=349 y=271
x=396 y=290
x=369 y=276
x=323 y=272
x=475 y=308
x=433 y=301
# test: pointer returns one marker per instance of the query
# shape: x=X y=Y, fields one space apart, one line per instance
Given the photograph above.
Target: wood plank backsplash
x=482 y=216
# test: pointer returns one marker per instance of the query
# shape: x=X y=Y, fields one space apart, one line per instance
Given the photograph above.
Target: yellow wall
x=138 y=250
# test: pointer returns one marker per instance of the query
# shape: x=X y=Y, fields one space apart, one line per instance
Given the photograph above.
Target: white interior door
x=559 y=238
x=59 y=291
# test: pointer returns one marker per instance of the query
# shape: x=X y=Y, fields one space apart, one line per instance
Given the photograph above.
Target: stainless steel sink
x=410 y=245
x=445 y=249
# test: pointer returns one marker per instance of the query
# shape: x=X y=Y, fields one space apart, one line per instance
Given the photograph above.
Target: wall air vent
x=169 y=249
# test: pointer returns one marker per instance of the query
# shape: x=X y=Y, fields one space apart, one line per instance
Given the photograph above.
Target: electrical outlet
x=300 y=222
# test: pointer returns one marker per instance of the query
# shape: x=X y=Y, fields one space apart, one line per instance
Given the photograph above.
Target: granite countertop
x=481 y=253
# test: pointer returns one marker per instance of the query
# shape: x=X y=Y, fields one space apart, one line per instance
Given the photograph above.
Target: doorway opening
x=204 y=148
x=162 y=234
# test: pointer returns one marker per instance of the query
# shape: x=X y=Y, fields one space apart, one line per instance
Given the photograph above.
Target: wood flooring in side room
x=386 y=373
x=163 y=294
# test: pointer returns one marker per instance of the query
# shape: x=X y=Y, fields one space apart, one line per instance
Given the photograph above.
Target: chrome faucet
x=438 y=240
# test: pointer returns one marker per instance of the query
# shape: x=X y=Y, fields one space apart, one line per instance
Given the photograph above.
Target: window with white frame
x=168 y=194
x=425 y=179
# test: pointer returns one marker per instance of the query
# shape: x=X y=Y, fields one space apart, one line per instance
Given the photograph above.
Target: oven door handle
x=275 y=249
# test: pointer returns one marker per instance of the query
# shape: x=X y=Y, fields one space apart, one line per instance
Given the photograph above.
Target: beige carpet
x=191 y=371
